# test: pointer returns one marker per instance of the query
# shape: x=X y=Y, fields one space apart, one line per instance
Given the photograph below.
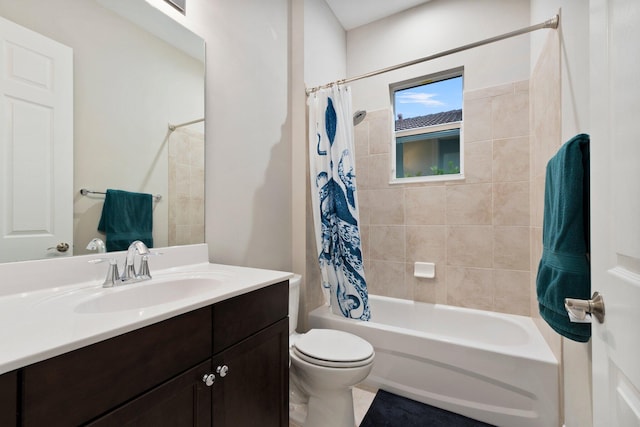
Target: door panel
x=36 y=144
x=255 y=389
x=615 y=195
x=183 y=401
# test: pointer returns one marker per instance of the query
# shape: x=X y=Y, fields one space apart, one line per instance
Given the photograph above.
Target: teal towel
x=564 y=270
x=126 y=217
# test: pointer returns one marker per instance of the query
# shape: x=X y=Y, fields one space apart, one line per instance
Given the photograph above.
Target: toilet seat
x=332 y=348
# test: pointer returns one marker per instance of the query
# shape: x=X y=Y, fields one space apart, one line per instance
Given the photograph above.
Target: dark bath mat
x=390 y=410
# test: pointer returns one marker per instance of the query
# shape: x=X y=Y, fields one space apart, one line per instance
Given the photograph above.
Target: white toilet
x=324 y=365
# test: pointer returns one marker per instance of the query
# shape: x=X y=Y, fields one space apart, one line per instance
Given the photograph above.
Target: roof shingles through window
x=429 y=120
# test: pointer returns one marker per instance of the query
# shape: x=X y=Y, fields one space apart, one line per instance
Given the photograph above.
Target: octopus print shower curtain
x=334 y=201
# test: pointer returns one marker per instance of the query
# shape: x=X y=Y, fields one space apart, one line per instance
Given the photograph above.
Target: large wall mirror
x=133 y=71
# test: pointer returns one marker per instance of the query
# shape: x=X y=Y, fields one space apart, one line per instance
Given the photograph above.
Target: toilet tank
x=294 y=298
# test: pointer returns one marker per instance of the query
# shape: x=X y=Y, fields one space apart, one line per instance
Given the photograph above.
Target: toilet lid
x=328 y=347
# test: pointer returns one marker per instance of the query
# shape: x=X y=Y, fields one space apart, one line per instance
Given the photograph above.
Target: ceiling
x=354 y=13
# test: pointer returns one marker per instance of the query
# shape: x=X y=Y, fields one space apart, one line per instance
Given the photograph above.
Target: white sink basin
x=146 y=294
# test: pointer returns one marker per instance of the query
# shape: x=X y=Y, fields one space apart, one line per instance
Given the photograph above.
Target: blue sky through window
x=436 y=97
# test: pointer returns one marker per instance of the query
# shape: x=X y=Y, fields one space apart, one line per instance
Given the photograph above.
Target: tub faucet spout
x=97 y=244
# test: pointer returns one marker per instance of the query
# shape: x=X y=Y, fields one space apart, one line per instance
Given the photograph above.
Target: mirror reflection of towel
x=126 y=217
x=564 y=270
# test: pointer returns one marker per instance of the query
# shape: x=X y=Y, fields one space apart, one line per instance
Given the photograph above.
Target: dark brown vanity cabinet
x=8 y=399
x=222 y=365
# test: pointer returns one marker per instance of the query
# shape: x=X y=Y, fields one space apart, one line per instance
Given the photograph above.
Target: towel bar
x=84 y=192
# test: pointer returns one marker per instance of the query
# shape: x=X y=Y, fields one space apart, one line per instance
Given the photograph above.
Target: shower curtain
x=334 y=201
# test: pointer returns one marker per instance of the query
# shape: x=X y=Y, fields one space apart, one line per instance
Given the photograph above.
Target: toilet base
x=298 y=413
x=334 y=408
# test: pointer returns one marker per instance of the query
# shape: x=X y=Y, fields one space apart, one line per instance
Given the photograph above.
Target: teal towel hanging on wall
x=126 y=217
x=564 y=270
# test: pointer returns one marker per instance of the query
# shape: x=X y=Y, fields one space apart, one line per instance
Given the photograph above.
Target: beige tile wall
x=186 y=187
x=476 y=230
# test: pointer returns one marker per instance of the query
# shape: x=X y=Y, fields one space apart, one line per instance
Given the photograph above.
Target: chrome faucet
x=129 y=271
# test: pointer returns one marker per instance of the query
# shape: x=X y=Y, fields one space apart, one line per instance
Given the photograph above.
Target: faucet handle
x=113 y=278
x=144 y=268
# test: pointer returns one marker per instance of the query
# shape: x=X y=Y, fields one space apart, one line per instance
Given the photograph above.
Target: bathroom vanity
x=217 y=358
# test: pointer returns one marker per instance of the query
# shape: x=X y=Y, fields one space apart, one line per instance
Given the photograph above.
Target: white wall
x=248 y=152
x=325 y=45
x=574 y=54
x=434 y=27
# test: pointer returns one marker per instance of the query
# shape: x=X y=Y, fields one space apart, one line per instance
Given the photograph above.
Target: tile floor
x=362 y=398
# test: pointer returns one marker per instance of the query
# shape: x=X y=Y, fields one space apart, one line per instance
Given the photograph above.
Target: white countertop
x=45 y=321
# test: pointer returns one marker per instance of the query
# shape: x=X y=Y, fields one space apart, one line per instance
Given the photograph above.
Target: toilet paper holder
x=579 y=310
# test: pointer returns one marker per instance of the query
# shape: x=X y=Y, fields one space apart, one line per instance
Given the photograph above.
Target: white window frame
x=420 y=81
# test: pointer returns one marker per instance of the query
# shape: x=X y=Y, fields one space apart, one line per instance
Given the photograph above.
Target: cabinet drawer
x=75 y=387
x=241 y=316
x=8 y=399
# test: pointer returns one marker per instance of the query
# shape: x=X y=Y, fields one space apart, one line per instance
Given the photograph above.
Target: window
x=427 y=144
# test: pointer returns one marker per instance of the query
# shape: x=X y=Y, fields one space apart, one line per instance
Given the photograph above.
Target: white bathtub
x=493 y=367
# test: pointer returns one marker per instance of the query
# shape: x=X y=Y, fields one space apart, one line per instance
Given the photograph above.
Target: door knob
x=60 y=247
x=579 y=310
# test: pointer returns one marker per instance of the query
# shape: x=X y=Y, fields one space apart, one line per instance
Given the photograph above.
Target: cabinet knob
x=208 y=379
x=222 y=370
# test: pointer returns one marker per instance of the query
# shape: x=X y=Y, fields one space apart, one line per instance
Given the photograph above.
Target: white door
x=36 y=144
x=615 y=209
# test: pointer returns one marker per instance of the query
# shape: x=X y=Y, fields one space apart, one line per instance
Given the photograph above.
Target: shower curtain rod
x=174 y=127
x=551 y=23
